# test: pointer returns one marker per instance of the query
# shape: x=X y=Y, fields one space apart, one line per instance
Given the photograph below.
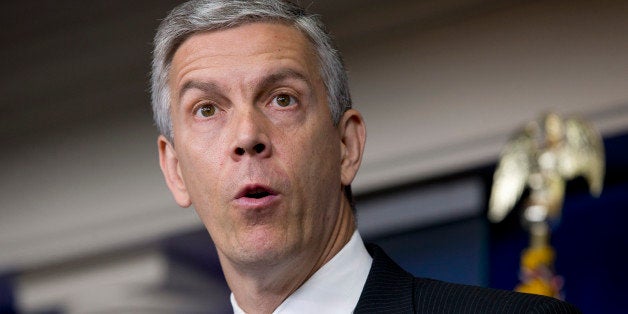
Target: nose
x=251 y=137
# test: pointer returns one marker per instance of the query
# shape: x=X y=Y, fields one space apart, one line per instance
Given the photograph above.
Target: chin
x=262 y=246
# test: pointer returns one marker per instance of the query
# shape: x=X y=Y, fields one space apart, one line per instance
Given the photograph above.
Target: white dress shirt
x=334 y=288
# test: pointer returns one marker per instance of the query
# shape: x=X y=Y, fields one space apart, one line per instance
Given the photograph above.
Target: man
x=258 y=134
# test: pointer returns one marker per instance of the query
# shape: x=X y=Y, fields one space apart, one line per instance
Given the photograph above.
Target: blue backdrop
x=591 y=241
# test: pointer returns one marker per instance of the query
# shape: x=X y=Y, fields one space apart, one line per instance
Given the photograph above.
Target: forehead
x=243 y=46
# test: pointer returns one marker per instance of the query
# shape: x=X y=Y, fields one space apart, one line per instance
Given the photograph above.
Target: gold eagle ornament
x=542 y=157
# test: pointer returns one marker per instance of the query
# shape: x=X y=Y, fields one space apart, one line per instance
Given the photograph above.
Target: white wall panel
x=443 y=99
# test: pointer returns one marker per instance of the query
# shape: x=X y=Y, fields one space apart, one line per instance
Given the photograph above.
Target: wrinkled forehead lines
x=287 y=36
x=284 y=34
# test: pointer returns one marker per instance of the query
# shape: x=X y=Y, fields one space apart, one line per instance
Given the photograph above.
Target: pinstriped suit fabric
x=390 y=289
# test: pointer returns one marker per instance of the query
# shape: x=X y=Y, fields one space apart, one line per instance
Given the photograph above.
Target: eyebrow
x=207 y=87
x=281 y=75
x=260 y=85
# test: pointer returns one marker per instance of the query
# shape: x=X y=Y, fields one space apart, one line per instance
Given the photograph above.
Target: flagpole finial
x=541 y=158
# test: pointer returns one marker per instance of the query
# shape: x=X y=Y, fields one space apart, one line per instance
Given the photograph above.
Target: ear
x=353 y=138
x=169 y=164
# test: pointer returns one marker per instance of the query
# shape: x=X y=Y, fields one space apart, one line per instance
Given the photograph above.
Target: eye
x=284 y=100
x=205 y=111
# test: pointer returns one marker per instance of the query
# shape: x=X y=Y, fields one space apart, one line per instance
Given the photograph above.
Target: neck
x=263 y=289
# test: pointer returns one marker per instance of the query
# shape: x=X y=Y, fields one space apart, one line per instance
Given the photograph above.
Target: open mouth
x=258 y=193
x=255 y=192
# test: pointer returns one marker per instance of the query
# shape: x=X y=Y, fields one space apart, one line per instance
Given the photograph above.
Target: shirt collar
x=334 y=288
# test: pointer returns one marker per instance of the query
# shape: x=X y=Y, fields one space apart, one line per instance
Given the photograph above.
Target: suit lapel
x=388 y=288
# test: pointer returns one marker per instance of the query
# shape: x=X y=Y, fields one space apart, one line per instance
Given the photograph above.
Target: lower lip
x=256 y=203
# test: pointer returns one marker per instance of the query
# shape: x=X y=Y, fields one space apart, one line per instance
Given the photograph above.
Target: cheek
x=200 y=166
x=317 y=157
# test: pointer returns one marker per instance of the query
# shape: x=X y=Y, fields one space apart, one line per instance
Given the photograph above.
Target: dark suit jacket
x=390 y=289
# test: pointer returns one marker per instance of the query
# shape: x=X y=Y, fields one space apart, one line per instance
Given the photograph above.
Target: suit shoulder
x=433 y=295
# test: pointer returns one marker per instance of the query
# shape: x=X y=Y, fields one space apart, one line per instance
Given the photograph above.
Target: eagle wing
x=512 y=173
x=583 y=154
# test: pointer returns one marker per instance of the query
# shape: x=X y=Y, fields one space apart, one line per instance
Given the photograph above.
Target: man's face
x=255 y=150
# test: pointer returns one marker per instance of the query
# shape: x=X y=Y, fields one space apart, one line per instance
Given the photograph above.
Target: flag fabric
x=537 y=274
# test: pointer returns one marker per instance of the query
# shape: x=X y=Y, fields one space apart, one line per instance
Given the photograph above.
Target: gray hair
x=206 y=15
